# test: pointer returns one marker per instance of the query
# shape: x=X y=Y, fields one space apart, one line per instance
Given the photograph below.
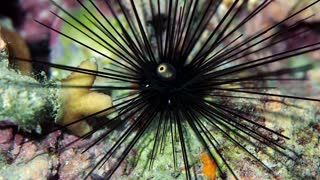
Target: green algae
x=24 y=101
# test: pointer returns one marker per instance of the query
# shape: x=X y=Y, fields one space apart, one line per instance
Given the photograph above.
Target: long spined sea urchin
x=181 y=67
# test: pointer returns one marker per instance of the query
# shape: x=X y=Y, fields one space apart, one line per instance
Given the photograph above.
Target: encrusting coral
x=16 y=47
x=27 y=103
x=79 y=102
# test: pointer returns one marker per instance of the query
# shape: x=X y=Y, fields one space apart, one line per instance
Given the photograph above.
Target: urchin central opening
x=166 y=72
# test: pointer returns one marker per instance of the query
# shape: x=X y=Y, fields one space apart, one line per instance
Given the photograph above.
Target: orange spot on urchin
x=209 y=166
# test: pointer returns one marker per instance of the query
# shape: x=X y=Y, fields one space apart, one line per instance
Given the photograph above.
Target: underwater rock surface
x=20 y=153
x=25 y=106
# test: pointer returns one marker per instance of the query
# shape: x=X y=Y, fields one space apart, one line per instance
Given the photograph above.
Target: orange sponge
x=209 y=166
